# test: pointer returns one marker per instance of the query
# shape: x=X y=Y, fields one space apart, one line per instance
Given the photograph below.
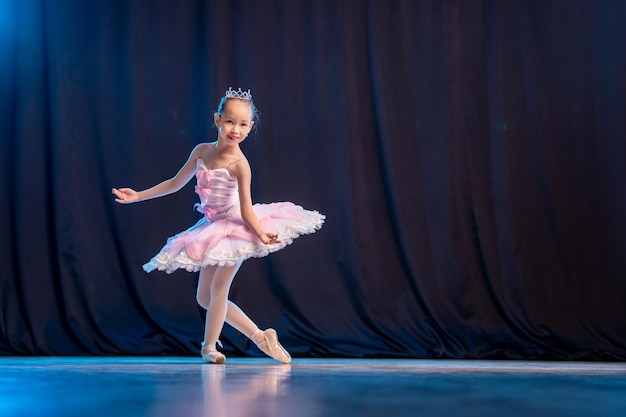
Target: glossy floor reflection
x=121 y=387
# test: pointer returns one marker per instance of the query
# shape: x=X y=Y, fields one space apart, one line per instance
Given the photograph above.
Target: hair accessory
x=241 y=95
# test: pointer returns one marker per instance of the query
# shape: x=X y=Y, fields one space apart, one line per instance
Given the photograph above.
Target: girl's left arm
x=244 y=179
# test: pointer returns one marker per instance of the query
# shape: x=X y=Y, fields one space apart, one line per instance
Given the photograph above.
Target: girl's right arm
x=182 y=177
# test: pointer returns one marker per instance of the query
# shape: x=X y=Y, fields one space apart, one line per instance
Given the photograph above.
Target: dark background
x=470 y=157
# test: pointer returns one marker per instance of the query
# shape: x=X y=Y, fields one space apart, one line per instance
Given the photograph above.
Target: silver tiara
x=241 y=95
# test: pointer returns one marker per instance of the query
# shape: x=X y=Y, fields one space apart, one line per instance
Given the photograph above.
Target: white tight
x=213 y=287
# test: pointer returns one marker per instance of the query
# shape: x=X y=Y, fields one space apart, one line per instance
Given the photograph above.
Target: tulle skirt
x=227 y=240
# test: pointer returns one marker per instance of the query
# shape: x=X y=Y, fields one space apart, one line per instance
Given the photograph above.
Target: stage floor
x=254 y=387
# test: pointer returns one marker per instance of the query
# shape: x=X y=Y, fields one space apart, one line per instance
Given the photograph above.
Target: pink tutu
x=221 y=236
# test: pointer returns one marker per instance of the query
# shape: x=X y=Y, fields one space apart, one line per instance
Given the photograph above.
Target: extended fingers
x=121 y=196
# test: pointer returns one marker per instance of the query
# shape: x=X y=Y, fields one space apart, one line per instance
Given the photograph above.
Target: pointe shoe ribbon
x=267 y=341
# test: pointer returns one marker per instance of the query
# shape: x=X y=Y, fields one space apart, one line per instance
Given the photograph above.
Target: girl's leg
x=213 y=287
x=217 y=281
x=234 y=315
x=240 y=321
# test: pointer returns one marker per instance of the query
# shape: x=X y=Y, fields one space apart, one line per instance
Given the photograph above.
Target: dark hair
x=255 y=112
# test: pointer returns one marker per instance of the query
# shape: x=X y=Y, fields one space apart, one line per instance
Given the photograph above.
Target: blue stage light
x=7 y=15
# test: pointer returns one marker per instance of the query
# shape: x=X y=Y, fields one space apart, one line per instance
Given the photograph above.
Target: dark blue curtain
x=470 y=157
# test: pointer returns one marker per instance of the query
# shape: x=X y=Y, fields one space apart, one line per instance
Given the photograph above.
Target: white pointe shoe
x=267 y=341
x=212 y=355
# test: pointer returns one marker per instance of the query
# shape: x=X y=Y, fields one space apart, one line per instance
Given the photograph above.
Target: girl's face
x=235 y=122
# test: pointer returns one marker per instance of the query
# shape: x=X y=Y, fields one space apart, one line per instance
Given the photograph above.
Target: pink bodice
x=218 y=192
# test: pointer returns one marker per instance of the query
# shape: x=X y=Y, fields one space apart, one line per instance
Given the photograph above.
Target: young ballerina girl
x=231 y=230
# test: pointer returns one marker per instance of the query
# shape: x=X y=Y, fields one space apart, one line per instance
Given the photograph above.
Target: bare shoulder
x=206 y=147
x=205 y=151
x=240 y=168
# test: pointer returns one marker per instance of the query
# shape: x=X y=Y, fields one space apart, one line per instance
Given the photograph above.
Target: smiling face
x=235 y=122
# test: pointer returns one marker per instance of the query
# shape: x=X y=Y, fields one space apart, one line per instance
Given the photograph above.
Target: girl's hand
x=269 y=238
x=125 y=195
